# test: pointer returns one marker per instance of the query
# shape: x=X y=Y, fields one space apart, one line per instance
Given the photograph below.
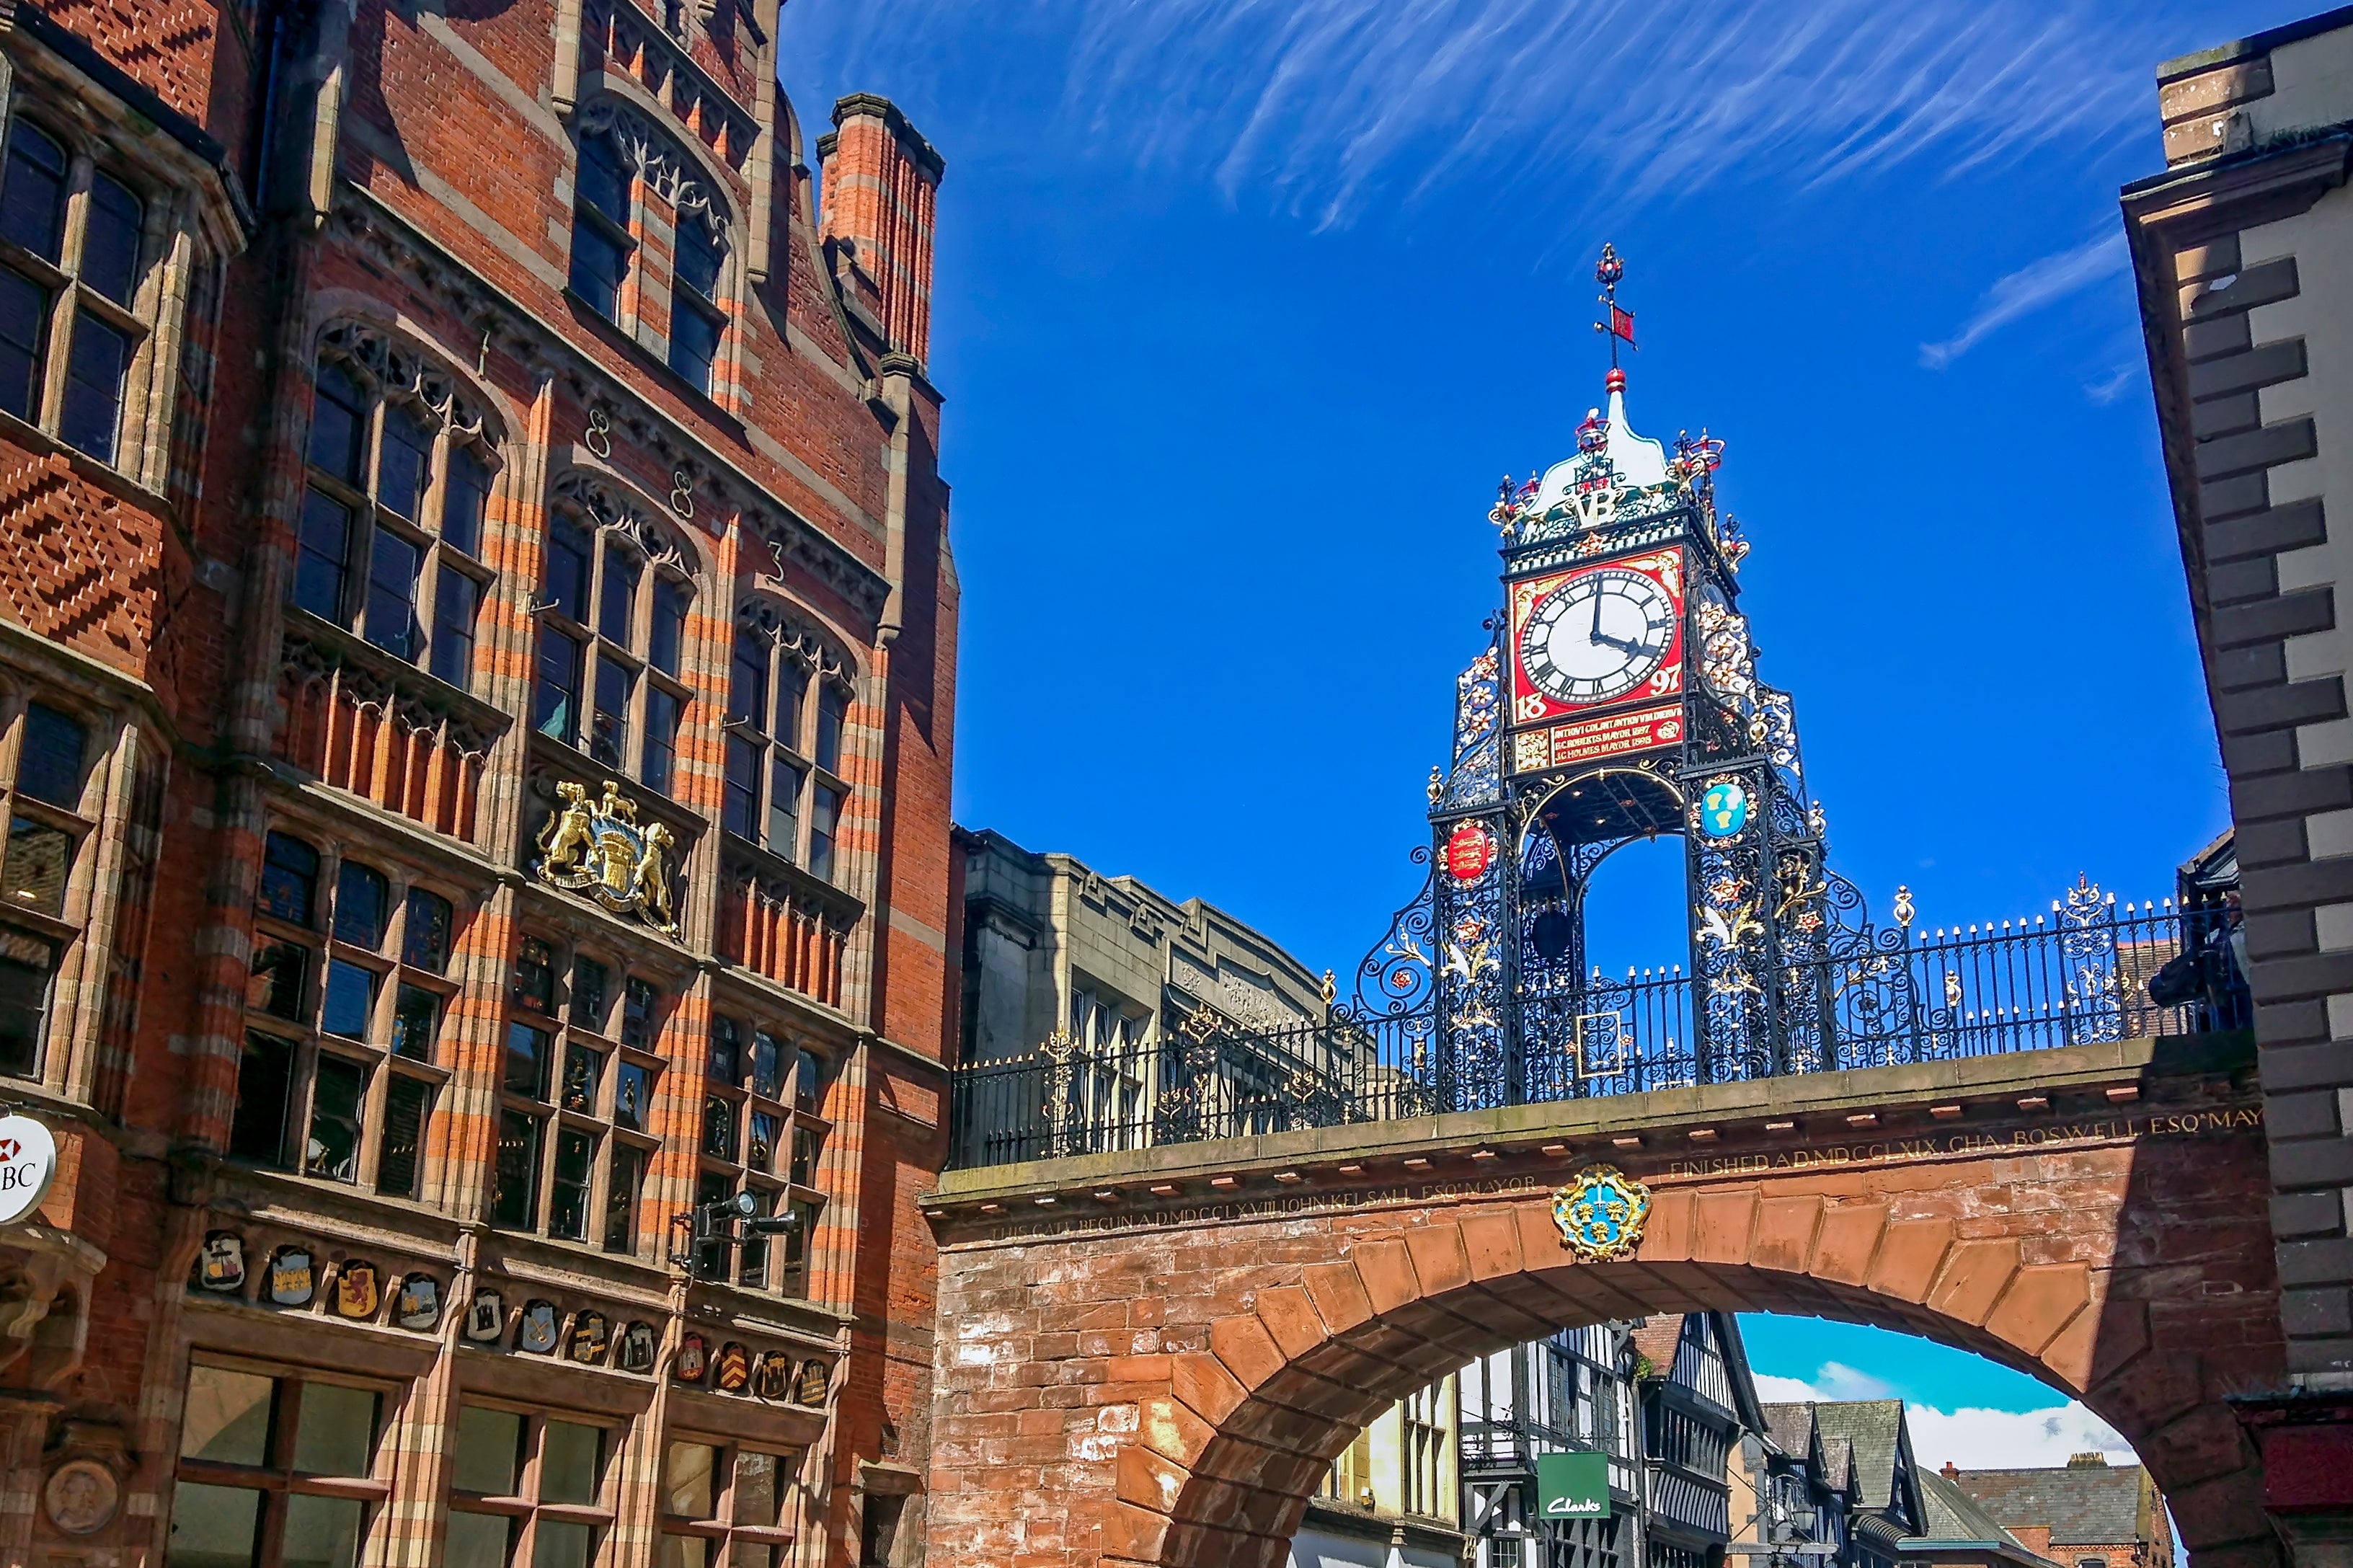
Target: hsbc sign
x=29 y=1162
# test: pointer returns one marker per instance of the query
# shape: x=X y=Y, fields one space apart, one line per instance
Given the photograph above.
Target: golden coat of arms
x=598 y=848
x=1600 y=1214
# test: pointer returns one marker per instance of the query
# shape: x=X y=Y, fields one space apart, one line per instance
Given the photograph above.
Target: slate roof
x=2084 y=1505
x=1873 y=1426
x=1791 y=1427
x=1954 y=1515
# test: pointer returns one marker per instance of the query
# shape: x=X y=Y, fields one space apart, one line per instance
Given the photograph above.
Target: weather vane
x=1620 y=322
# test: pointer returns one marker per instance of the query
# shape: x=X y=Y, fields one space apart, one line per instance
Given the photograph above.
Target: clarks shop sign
x=29 y=1162
x=1574 y=1486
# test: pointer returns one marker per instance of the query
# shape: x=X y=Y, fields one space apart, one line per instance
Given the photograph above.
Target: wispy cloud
x=2030 y=287
x=2108 y=388
x=1972 y=1436
x=1321 y=106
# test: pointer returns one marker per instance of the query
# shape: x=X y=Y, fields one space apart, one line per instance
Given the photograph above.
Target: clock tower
x=1619 y=700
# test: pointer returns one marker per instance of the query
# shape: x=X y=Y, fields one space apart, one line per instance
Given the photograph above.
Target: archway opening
x=1704 y=1438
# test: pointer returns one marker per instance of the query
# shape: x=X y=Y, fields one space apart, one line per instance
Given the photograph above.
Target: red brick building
x=477 y=671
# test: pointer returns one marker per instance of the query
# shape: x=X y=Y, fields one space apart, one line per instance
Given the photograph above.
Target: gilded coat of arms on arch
x=1601 y=1213
x=598 y=848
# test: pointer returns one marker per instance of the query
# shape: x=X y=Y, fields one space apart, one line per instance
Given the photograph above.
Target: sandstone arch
x=1168 y=1394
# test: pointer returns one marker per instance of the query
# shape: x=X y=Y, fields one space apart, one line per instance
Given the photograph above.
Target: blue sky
x=1243 y=306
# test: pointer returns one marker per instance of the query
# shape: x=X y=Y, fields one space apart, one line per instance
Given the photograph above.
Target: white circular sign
x=29 y=1162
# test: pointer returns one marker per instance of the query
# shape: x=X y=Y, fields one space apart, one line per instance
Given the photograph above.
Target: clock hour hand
x=1621 y=644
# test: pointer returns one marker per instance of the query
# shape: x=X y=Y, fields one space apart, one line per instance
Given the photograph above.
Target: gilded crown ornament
x=1601 y=1213
x=599 y=848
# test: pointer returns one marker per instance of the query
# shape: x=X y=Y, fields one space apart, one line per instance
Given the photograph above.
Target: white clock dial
x=1598 y=636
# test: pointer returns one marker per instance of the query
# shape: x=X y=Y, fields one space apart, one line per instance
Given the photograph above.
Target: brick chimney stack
x=881 y=181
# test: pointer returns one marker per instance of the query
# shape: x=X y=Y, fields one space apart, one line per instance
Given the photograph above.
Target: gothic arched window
x=787 y=707
x=390 y=537
x=649 y=241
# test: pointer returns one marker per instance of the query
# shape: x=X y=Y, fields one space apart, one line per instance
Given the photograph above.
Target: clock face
x=1598 y=636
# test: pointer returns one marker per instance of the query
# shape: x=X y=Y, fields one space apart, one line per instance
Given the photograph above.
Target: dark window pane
x=392 y=568
x=477 y=1541
x=604 y=178
x=661 y=738
x=719 y=1127
x=465 y=498
x=227 y=1418
x=808 y=1080
x=694 y=343
x=265 y=1074
x=400 y=1157
x=760 y=1142
x=640 y=1013
x=669 y=631
x=792 y=1278
x=755 y=1271
x=339 y=425
x=741 y=809
x=289 y=879
x=789 y=690
x=699 y=254
x=825 y=823
x=711 y=1187
x=40 y=858
x=93 y=402
x=621 y=1184
x=560 y=1544
x=555 y=703
x=322 y=1531
x=568 y=565
x=280 y=971
x=755 y=1488
x=350 y=1000
x=615 y=609
x=768 y=1066
x=212 y=1527
x=48 y=764
x=534 y=976
x=571 y=1462
x=567 y=1203
x=336 y=1436
x=403 y=462
x=110 y=239
x=24 y=318
x=322 y=557
x=24 y=1005
x=609 y=736
x=783 y=808
x=456 y=598
x=514 y=1195
x=747 y=687
x=487 y=1459
x=592 y=994
x=832 y=708
x=633 y=1097
x=33 y=198
x=599 y=263
x=425 y=941
x=805 y=1147
x=581 y=1069
x=363 y=905
x=336 y=1093
x=415 y=1022
x=526 y=1061
x=723 y=1062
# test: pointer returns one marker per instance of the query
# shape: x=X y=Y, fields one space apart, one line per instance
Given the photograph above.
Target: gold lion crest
x=1600 y=1214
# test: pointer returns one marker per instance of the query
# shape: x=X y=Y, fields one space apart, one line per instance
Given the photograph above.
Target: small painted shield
x=292 y=1280
x=486 y=1318
x=221 y=1267
x=733 y=1368
x=590 y=1335
x=691 y=1358
x=357 y=1294
x=419 y=1306
x=1601 y=1213
x=637 y=1351
x=815 y=1374
x=537 y=1335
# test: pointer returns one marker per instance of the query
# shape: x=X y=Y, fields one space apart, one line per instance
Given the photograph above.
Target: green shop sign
x=1574 y=1486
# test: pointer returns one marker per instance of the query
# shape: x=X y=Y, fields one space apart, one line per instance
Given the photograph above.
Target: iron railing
x=2078 y=976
